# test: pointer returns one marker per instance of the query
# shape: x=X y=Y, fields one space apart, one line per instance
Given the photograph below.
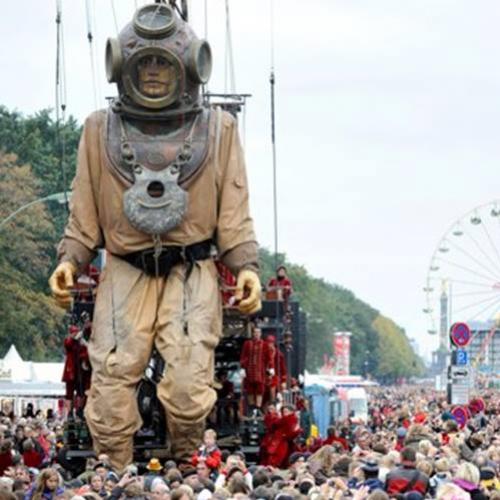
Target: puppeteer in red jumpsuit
x=275 y=377
x=281 y=284
x=77 y=371
x=228 y=284
x=278 y=443
x=256 y=360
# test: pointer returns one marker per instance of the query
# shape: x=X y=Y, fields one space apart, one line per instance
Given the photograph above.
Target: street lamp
x=366 y=363
x=61 y=198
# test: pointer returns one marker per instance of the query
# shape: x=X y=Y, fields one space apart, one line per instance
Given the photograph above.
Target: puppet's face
x=156 y=76
x=257 y=333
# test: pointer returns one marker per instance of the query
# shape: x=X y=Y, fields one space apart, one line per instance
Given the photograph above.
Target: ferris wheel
x=463 y=278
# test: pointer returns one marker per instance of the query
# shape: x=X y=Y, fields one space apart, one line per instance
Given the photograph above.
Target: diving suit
x=161 y=185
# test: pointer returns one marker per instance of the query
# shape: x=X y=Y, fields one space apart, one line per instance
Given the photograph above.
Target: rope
x=64 y=94
x=272 y=81
x=58 y=58
x=206 y=19
x=204 y=87
x=97 y=53
x=61 y=96
x=271 y=34
x=185 y=10
x=114 y=16
x=90 y=38
x=244 y=126
x=229 y=59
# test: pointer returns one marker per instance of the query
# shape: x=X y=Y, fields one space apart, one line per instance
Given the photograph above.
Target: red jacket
x=212 y=457
x=279 y=376
x=227 y=281
x=284 y=284
x=270 y=423
x=32 y=459
x=335 y=439
x=5 y=461
x=278 y=441
x=398 y=481
x=75 y=353
x=256 y=358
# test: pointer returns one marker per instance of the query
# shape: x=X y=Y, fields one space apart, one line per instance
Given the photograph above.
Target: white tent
x=22 y=381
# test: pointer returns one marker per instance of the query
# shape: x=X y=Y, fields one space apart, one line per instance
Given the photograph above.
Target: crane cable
x=272 y=81
x=61 y=97
x=115 y=19
x=204 y=87
x=229 y=67
x=228 y=57
x=206 y=19
x=90 y=38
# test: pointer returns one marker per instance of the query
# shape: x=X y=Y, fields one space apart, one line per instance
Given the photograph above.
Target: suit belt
x=168 y=257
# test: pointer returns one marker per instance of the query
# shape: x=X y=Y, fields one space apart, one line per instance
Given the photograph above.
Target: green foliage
x=50 y=149
x=397 y=357
x=38 y=141
x=375 y=340
x=28 y=316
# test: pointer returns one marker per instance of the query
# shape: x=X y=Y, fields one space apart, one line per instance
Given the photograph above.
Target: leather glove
x=248 y=281
x=271 y=372
x=61 y=281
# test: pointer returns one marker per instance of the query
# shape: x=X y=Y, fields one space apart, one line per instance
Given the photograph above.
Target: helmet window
x=155 y=76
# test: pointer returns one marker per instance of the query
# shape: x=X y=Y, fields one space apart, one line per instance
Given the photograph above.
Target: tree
x=39 y=141
x=28 y=316
x=332 y=308
x=397 y=358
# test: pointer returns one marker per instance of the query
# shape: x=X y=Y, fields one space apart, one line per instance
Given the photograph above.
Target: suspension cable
x=229 y=59
x=90 y=38
x=61 y=97
x=244 y=126
x=58 y=58
x=115 y=19
x=272 y=81
x=204 y=87
x=206 y=19
x=97 y=53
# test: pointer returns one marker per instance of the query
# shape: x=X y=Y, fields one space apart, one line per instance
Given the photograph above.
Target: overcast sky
x=388 y=116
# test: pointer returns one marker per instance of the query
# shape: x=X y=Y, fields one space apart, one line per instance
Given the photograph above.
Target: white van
x=357 y=401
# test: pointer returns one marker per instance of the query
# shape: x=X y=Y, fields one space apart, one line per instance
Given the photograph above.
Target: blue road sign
x=462 y=357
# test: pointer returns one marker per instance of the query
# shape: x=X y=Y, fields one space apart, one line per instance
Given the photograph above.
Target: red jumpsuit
x=76 y=373
x=256 y=358
x=284 y=283
x=211 y=456
x=228 y=283
x=270 y=422
x=336 y=439
x=274 y=381
x=278 y=442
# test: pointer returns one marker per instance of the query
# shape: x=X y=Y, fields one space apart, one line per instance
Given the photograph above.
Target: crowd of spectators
x=411 y=448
